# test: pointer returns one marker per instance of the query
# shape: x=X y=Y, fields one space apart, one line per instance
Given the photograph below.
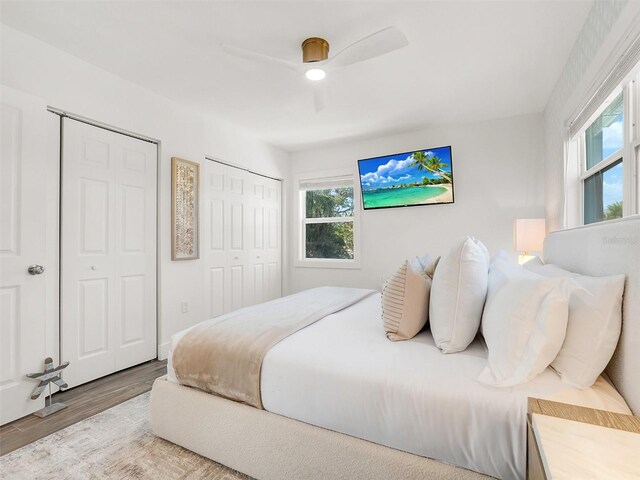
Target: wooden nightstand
x=566 y=441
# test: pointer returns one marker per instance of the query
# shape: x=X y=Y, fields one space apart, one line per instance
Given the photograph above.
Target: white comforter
x=342 y=373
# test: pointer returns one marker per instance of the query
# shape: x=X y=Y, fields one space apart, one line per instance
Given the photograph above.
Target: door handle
x=35 y=269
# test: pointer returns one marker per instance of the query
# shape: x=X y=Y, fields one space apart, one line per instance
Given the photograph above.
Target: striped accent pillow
x=405 y=300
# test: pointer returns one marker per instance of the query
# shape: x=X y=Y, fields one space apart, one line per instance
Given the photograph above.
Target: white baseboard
x=163 y=350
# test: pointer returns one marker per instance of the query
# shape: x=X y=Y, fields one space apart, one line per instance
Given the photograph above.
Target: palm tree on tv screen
x=431 y=163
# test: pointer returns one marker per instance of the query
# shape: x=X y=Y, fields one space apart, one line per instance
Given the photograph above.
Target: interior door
x=108 y=261
x=28 y=236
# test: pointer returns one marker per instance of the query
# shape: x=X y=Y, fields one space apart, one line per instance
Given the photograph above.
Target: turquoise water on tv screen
x=397 y=197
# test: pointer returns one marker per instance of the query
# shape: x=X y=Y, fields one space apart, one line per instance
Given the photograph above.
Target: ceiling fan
x=316 y=61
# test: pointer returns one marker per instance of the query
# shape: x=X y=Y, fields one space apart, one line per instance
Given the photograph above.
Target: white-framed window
x=603 y=156
x=328 y=213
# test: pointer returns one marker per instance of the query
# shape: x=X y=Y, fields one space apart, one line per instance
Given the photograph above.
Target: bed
x=341 y=401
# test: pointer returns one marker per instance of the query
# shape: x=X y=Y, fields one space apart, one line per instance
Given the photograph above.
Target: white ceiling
x=466 y=61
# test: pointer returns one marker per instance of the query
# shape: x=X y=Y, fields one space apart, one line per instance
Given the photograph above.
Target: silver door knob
x=93 y=267
x=35 y=269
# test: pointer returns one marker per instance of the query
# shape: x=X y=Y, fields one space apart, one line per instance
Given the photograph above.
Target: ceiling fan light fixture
x=315 y=56
x=315 y=74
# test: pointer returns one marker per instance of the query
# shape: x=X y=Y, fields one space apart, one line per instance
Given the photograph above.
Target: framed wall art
x=185 y=189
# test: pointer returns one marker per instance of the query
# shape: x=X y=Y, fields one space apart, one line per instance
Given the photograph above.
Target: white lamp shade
x=530 y=234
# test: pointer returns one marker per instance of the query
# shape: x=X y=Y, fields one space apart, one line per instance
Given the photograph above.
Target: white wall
x=69 y=83
x=603 y=38
x=498 y=175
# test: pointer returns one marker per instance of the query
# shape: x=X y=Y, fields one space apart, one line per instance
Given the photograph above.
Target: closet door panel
x=273 y=239
x=216 y=242
x=239 y=284
x=258 y=229
x=88 y=305
x=245 y=270
x=108 y=274
x=136 y=240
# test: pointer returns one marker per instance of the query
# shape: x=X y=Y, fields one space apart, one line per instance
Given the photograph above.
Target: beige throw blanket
x=224 y=355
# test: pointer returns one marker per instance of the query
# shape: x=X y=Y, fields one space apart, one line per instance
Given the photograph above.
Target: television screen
x=420 y=177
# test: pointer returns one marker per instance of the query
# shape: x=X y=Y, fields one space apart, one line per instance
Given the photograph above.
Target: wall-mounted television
x=419 y=177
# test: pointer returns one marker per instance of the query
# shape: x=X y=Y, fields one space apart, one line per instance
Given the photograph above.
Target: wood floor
x=82 y=402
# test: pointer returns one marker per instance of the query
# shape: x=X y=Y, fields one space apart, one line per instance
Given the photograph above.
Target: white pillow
x=594 y=326
x=524 y=323
x=501 y=272
x=457 y=295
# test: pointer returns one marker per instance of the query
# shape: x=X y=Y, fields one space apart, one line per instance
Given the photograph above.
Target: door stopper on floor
x=49 y=376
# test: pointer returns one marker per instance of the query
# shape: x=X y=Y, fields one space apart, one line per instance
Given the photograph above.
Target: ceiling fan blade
x=258 y=57
x=372 y=46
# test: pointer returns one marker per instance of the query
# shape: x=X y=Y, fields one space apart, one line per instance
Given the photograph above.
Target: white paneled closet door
x=242 y=238
x=28 y=237
x=108 y=251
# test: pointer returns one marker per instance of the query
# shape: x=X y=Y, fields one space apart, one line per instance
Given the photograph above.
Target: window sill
x=327 y=263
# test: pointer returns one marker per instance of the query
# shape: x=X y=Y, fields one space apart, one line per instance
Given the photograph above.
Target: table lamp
x=529 y=237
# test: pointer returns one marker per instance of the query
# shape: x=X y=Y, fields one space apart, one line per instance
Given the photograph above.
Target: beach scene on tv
x=422 y=177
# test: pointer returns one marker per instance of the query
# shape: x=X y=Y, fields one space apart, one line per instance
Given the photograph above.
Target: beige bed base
x=267 y=446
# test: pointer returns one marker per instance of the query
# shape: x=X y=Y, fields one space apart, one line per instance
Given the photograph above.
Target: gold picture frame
x=185 y=192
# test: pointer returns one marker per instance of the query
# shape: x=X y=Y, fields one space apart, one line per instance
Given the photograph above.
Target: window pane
x=605 y=135
x=330 y=202
x=603 y=194
x=329 y=240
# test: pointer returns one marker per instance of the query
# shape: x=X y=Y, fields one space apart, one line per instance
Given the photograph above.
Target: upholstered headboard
x=606 y=249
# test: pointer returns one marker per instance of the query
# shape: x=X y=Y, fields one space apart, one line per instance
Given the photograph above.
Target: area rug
x=114 y=444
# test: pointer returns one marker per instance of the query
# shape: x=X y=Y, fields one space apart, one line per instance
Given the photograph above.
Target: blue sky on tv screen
x=385 y=172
